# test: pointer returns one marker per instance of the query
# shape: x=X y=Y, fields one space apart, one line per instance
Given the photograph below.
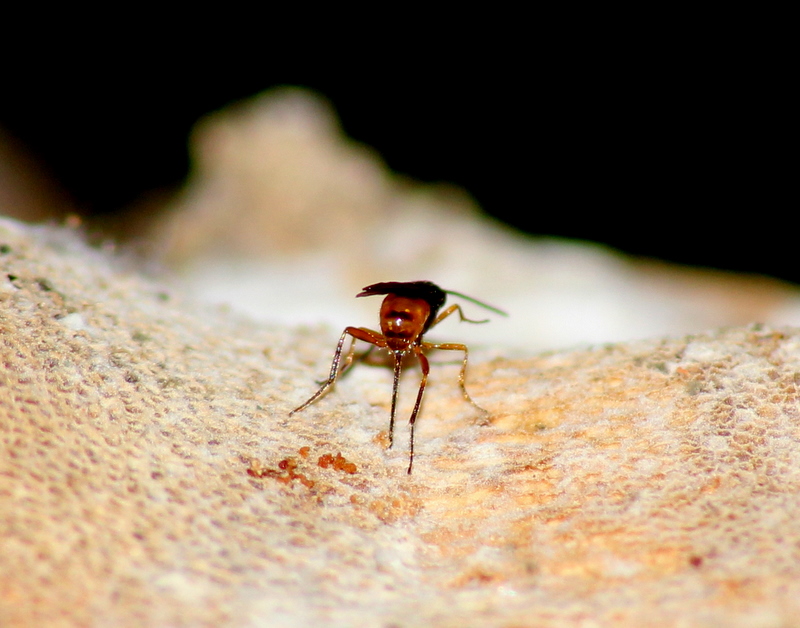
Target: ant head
x=425 y=291
x=428 y=291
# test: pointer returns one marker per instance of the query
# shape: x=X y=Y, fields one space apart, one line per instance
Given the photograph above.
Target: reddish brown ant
x=408 y=311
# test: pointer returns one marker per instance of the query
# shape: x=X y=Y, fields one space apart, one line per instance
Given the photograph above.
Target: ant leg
x=450 y=310
x=423 y=362
x=357 y=333
x=448 y=346
x=398 y=366
x=349 y=361
x=334 y=371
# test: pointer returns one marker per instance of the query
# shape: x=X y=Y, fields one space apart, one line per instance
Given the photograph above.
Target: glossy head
x=406 y=292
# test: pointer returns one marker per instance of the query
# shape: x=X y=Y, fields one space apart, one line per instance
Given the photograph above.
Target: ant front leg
x=398 y=367
x=423 y=362
x=357 y=333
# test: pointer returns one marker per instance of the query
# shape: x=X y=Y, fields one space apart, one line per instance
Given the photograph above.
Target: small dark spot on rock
x=5 y=249
x=45 y=284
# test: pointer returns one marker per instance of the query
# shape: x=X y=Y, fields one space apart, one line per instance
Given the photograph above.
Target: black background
x=674 y=150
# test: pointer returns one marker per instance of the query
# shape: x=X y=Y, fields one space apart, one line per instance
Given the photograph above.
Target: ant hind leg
x=462 y=374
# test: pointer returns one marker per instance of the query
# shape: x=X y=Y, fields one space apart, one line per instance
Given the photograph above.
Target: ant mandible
x=408 y=311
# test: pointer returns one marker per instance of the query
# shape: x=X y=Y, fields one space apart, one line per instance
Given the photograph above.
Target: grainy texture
x=150 y=475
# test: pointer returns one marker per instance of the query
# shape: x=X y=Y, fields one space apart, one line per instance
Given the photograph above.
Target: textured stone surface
x=150 y=474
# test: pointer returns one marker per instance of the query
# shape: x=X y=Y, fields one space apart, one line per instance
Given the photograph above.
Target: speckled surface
x=150 y=473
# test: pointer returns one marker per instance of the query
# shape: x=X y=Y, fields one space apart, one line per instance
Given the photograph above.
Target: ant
x=408 y=311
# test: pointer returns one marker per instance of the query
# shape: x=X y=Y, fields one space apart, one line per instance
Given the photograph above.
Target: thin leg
x=398 y=366
x=448 y=346
x=450 y=310
x=351 y=361
x=357 y=333
x=423 y=362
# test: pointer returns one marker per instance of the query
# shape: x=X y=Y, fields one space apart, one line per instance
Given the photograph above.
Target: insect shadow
x=408 y=311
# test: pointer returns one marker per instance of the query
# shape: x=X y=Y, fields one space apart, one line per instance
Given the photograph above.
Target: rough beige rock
x=150 y=474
